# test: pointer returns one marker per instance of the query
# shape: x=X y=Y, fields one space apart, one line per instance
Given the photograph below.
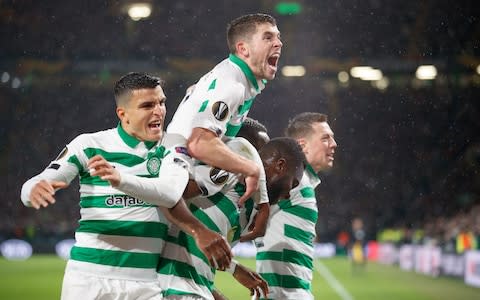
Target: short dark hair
x=135 y=81
x=301 y=125
x=250 y=129
x=288 y=148
x=245 y=25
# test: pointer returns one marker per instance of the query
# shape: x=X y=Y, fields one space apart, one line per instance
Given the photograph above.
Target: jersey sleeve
x=218 y=107
x=166 y=189
x=65 y=167
x=244 y=148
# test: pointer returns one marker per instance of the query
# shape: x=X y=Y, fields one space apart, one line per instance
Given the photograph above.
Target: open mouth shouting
x=155 y=125
x=273 y=61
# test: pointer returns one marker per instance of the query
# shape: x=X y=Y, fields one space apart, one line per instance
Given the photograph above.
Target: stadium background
x=409 y=150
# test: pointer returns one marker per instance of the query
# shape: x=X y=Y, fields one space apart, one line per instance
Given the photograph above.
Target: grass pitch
x=40 y=278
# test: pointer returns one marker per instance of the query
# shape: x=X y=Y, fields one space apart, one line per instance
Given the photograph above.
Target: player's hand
x=251 y=186
x=258 y=226
x=99 y=166
x=251 y=235
x=251 y=280
x=214 y=246
x=253 y=231
x=43 y=192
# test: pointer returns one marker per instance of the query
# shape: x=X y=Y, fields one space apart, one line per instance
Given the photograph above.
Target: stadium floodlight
x=343 y=77
x=426 y=72
x=366 y=73
x=138 y=11
x=293 y=71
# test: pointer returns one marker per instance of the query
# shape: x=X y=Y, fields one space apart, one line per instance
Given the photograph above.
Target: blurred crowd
x=455 y=234
x=190 y=29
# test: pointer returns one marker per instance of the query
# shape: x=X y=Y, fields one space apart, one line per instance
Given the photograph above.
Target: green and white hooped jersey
x=220 y=100
x=183 y=268
x=285 y=253
x=118 y=236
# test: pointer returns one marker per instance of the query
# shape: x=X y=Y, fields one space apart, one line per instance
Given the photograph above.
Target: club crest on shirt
x=220 y=110
x=153 y=165
x=218 y=176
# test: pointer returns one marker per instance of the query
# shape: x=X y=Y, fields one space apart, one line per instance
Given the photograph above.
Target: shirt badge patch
x=220 y=110
x=218 y=176
x=153 y=165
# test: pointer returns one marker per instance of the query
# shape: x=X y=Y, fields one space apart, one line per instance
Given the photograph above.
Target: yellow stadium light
x=293 y=71
x=426 y=72
x=366 y=73
x=139 y=11
x=343 y=77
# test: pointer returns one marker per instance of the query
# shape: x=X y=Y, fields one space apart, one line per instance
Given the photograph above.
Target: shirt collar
x=311 y=171
x=245 y=69
x=131 y=141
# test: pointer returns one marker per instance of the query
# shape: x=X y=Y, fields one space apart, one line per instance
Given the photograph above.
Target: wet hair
x=250 y=131
x=134 y=81
x=285 y=147
x=245 y=26
x=301 y=125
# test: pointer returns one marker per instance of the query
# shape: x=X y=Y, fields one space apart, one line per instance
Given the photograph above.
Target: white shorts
x=87 y=287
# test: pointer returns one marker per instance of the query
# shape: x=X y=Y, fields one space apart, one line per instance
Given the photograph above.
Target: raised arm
x=205 y=146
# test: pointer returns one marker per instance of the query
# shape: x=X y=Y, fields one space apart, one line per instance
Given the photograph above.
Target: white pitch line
x=332 y=281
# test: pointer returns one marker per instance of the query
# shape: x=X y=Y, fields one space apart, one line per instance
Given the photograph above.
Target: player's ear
x=242 y=49
x=121 y=114
x=281 y=165
x=303 y=144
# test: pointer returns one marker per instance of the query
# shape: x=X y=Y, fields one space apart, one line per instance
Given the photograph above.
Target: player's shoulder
x=228 y=88
x=94 y=137
x=170 y=140
x=239 y=142
x=242 y=147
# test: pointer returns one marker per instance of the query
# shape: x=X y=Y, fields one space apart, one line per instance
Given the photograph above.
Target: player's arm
x=192 y=190
x=207 y=147
x=249 y=279
x=39 y=191
x=217 y=295
x=165 y=190
x=212 y=244
x=259 y=225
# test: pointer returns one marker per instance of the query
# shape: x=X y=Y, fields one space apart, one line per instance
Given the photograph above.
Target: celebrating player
x=285 y=253
x=215 y=108
x=120 y=237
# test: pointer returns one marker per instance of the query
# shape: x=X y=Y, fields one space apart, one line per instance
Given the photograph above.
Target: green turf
x=375 y=282
x=40 y=278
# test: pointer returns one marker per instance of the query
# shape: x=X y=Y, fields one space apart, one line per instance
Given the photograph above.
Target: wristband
x=231 y=268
